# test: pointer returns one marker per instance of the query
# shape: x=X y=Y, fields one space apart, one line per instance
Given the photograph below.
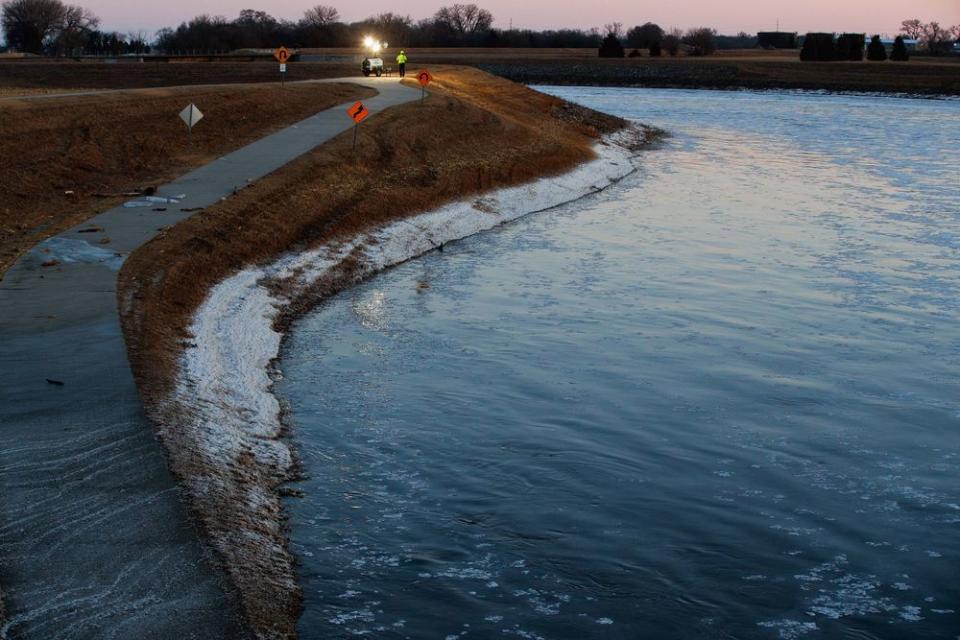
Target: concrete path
x=94 y=542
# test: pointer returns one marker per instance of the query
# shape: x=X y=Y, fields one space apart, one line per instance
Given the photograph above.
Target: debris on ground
x=56 y=383
x=104 y=241
x=91 y=230
x=50 y=263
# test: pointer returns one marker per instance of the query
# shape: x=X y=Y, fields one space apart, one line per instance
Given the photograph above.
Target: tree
x=912 y=29
x=29 y=25
x=255 y=29
x=655 y=50
x=320 y=16
x=899 y=53
x=615 y=29
x=876 y=51
x=671 y=42
x=75 y=27
x=387 y=27
x=935 y=38
x=701 y=41
x=644 y=36
x=464 y=19
x=611 y=46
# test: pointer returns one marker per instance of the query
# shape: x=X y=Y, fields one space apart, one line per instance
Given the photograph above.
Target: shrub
x=611 y=47
x=655 y=51
x=876 y=51
x=899 y=52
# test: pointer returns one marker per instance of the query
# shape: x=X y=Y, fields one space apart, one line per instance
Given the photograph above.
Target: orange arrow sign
x=424 y=78
x=358 y=112
x=282 y=55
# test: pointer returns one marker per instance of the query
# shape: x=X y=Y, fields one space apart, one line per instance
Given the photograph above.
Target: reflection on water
x=719 y=400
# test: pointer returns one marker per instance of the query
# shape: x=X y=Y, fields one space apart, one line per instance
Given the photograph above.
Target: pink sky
x=731 y=16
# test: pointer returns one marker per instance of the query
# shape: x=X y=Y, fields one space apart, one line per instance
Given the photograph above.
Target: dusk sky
x=871 y=16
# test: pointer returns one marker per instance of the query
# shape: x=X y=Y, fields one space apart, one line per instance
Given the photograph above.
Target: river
x=718 y=400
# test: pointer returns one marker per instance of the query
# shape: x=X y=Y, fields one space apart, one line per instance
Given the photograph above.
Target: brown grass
x=474 y=133
x=68 y=74
x=753 y=69
x=59 y=153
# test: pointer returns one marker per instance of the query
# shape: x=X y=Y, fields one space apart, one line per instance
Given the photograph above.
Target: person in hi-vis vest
x=402 y=64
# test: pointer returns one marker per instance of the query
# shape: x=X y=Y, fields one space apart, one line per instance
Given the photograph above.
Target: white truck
x=372 y=66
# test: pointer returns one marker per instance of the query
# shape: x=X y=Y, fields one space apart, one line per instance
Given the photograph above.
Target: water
x=718 y=401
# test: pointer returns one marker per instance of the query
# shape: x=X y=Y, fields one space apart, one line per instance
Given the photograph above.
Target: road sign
x=191 y=116
x=358 y=112
x=282 y=55
x=283 y=67
x=424 y=78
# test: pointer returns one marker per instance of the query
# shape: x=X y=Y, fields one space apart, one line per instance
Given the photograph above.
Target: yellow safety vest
x=401 y=59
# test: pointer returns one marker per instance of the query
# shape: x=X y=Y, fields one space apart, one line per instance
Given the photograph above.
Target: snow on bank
x=222 y=423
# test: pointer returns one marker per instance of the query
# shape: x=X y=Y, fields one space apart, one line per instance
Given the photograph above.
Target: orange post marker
x=358 y=113
x=424 y=78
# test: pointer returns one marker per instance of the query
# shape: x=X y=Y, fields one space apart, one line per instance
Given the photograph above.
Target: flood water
x=719 y=400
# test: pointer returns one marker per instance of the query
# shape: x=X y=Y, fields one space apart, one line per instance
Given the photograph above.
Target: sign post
x=191 y=116
x=424 y=78
x=282 y=55
x=358 y=113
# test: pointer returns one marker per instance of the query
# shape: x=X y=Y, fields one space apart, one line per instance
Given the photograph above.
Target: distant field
x=751 y=69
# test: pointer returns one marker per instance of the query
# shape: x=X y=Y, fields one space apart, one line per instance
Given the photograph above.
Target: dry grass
x=918 y=76
x=68 y=74
x=60 y=156
x=474 y=133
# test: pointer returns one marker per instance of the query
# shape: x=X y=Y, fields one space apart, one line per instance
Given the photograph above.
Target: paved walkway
x=94 y=542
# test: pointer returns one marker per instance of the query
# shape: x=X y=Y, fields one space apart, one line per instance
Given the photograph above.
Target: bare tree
x=935 y=38
x=671 y=41
x=321 y=16
x=464 y=19
x=912 y=28
x=75 y=28
x=702 y=41
x=29 y=24
x=33 y=25
x=614 y=29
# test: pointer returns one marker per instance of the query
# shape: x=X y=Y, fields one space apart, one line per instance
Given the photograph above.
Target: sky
x=729 y=16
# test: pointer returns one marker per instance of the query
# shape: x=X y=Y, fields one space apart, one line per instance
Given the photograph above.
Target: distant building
x=777 y=40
